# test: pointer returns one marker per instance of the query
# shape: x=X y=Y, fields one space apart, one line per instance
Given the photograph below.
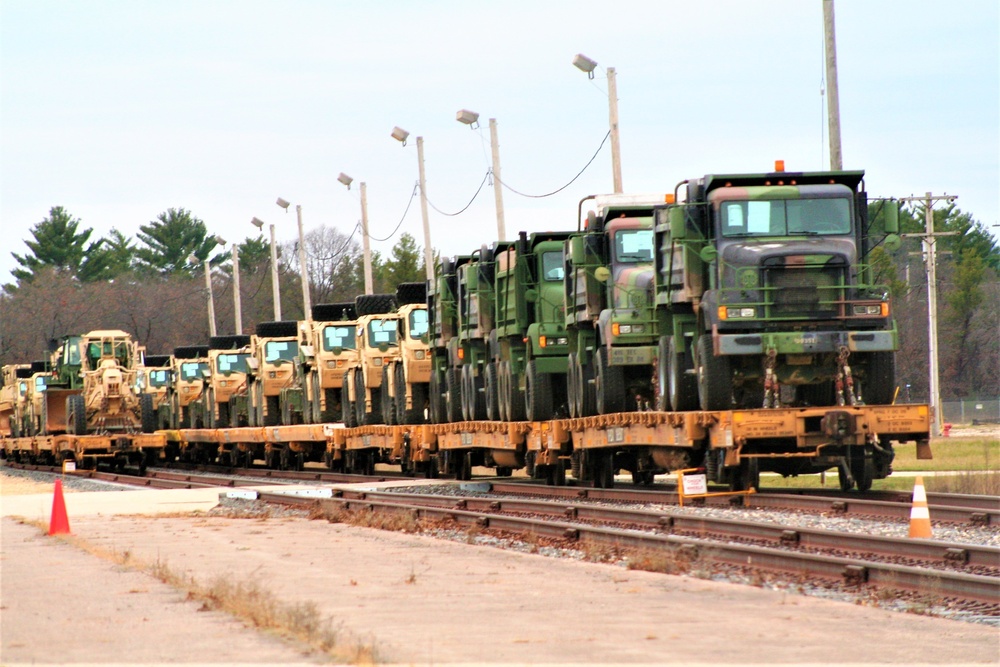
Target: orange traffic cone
x=59 y=525
x=920 y=516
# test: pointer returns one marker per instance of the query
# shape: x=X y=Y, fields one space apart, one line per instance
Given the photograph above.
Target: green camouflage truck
x=447 y=353
x=765 y=293
x=611 y=311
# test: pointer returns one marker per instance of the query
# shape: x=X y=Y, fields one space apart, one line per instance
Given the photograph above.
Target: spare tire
x=375 y=304
x=191 y=352
x=157 y=361
x=334 y=312
x=281 y=329
x=228 y=342
x=407 y=293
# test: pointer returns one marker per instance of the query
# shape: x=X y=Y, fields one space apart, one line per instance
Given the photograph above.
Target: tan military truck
x=190 y=374
x=155 y=378
x=227 y=363
x=34 y=408
x=327 y=349
x=12 y=393
x=377 y=344
x=271 y=368
x=406 y=378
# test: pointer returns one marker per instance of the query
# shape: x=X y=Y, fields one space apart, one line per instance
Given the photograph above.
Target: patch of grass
x=403 y=521
x=665 y=561
x=247 y=601
x=980 y=484
x=972 y=453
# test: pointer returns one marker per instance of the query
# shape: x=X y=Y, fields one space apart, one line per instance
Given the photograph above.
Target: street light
x=585 y=64
x=365 y=241
x=471 y=118
x=400 y=135
x=208 y=289
x=237 y=298
x=275 y=294
x=306 y=301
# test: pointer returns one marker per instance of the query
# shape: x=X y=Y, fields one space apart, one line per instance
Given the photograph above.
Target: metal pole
x=366 y=242
x=275 y=295
x=237 y=299
x=616 y=155
x=930 y=245
x=497 y=186
x=428 y=253
x=833 y=96
x=211 y=300
x=306 y=301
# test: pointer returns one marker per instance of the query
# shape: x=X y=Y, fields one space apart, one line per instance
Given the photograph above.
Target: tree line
x=148 y=286
x=70 y=282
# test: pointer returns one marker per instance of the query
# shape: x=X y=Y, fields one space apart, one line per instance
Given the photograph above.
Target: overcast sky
x=120 y=110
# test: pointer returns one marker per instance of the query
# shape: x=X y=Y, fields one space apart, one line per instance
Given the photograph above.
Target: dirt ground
x=417 y=600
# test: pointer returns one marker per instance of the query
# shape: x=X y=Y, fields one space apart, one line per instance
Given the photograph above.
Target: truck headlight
x=871 y=310
x=737 y=313
x=419 y=354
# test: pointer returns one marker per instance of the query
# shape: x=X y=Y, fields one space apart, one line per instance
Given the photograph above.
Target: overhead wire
x=580 y=173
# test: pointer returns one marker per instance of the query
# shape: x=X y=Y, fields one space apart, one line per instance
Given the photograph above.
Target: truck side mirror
x=531 y=296
x=602 y=273
x=678 y=230
x=576 y=250
x=891 y=217
x=892 y=242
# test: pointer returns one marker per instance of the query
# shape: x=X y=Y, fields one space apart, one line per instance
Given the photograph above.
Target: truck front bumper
x=807 y=342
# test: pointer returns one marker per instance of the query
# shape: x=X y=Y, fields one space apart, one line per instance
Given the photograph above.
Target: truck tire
x=76 y=415
x=880 y=379
x=610 y=385
x=453 y=400
x=516 y=411
x=474 y=398
x=280 y=329
x=418 y=394
x=273 y=416
x=374 y=304
x=586 y=395
x=572 y=381
x=682 y=387
x=347 y=406
x=407 y=293
x=537 y=393
x=388 y=404
x=436 y=399
x=492 y=392
x=715 y=382
x=147 y=413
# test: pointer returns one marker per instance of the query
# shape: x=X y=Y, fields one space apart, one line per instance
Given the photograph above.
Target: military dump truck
x=12 y=393
x=155 y=378
x=227 y=365
x=406 y=376
x=189 y=379
x=327 y=349
x=447 y=354
x=610 y=307
x=765 y=296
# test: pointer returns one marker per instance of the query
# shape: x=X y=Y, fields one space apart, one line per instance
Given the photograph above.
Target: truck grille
x=804 y=291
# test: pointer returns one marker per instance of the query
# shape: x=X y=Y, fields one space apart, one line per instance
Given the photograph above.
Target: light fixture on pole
x=275 y=294
x=192 y=259
x=303 y=268
x=585 y=64
x=400 y=135
x=471 y=118
x=365 y=241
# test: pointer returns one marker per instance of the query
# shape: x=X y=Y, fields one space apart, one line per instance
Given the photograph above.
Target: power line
x=400 y=223
x=549 y=194
x=478 y=190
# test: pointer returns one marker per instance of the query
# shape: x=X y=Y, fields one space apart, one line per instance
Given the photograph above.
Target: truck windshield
x=783 y=217
x=277 y=351
x=227 y=364
x=41 y=381
x=159 y=378
x=342 y=337
x=552 y=266
x=418 y=323
x=382 y=331
x=634 y=245
x=192 y=370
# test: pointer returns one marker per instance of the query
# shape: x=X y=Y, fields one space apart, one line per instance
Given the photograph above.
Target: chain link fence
x=971 y=411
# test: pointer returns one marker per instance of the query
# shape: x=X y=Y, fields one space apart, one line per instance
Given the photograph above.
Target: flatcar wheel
x=844 y=475
x=862 y=467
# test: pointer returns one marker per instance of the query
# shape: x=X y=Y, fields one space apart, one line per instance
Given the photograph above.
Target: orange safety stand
x=681 y=494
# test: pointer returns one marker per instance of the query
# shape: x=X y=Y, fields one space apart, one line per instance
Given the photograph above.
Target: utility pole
x=275 y=293
x=833 y=96
x=211 y=299
x=497 y=184
x=929 y=241
x=237 y=304
x=428 y=252
x=365 y=242
x=616 y=151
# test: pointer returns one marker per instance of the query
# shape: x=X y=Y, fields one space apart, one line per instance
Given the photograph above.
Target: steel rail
x=941 y=583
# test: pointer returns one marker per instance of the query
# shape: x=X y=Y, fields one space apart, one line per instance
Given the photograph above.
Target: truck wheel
x=492 y=392
x=475 y=397
x=747 y=475
x=76 y=415
x=418 y=396
x=585 y=389
x=610 y=385
x=346 y=405
x=682 y=387
x=516 y=411
x=538 y=393
x=147 y=412
x=388 y=405
x=880 y=379
x=572 y=395
x=453 y=400
x=273 y=416
x=715 y=382
x=437 y=398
